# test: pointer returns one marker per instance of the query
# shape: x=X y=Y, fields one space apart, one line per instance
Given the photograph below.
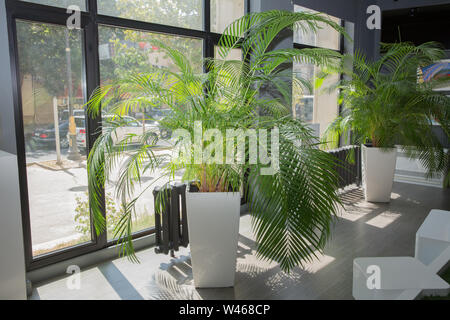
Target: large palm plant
x=293 y=208
x=386 y=105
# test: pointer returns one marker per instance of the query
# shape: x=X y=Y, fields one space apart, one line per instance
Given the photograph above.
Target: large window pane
x=325 y=36
x=303 y=99
x=61 y=3
x=52 y=89
x=319 y=107
x=127 y=52
x=233 y=54
x=179 y=13
x=224 y=12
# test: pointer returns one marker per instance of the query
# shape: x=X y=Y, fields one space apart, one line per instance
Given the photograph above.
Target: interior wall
x=414 y=25
x=12 y=261
x=402 y=4
x=7 y=124
x=350 y=9
x=365 y=40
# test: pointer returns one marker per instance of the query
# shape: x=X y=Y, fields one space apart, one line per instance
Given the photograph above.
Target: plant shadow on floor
x=174 y=280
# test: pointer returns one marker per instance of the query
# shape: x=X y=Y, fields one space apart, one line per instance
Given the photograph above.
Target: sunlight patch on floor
x=383 y=220
x=319 y=263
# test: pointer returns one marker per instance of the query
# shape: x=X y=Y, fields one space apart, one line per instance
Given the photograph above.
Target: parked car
x=80 y=125
x=131 y=126
x=45 y=136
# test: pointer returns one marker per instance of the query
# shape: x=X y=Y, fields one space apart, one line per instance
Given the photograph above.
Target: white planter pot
x=378 y=167
x=213 y=222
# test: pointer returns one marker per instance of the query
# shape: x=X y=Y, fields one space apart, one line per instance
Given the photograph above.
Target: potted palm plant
x=386 y=107
x=291 y=186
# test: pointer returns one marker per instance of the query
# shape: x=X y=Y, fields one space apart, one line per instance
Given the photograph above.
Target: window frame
x=90 y=20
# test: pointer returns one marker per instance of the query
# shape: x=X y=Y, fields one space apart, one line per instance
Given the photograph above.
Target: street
x=53 y=198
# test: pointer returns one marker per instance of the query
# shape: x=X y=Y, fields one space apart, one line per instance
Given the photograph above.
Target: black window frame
x=90 y=20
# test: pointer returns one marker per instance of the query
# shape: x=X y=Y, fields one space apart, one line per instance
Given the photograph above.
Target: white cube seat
x=433 y=236
x=399 y=278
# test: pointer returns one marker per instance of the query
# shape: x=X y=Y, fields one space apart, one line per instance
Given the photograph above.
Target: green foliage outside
x=42 y=55
x=82 y=217
x=42 y=47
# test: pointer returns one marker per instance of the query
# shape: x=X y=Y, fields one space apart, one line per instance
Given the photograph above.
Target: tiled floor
x=364 y=229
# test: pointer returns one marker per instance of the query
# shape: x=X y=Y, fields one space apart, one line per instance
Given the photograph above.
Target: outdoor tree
x=43 y=55
x=43 y=50
x=133 y=51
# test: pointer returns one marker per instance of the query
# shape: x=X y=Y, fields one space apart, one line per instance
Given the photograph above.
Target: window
x=325 y=37
x=317 y=107
x=234 y=54
x=61 y=3
x=179 y=13
x=224 y=12
x=303 y=101
x=52 y=88
x=125 y=52
x=49 y=66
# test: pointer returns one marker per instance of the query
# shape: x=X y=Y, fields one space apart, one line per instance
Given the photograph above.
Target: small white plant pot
x=378 y=167
x=213 y=222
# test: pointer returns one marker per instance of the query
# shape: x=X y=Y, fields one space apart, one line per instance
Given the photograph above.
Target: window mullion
x=94 y=125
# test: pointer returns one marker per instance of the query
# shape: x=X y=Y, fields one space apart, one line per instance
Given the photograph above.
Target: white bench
x=433 y=236
x=398 y=278
x=406 y=278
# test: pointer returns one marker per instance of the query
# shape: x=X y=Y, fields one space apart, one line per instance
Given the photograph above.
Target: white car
x=131 y=127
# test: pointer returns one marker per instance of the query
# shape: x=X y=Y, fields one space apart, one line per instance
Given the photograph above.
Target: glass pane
x=224 y=12
x=52 y=88
x=234 y=54
x=319 y=107
x=61 y=3
x=128 y=52
x=178 y=13
x=325 y=36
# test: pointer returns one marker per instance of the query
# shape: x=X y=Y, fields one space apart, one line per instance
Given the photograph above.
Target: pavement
x=52 y=197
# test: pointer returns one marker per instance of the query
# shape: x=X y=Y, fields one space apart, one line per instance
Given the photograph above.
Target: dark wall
x=355 y=10
x=417 y=25
x=351 y=9
x=402 y=4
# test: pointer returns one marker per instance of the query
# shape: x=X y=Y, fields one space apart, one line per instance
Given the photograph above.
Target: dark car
x=45 y=136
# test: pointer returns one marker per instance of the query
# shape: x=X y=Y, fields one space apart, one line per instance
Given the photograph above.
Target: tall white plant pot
x=378 y=167
x=213 y=222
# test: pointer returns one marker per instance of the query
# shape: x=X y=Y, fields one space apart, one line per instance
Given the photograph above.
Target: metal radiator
x=171 y=228
x=349 y=171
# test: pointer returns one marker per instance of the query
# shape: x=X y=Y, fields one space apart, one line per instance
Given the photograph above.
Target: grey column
x=12 y=261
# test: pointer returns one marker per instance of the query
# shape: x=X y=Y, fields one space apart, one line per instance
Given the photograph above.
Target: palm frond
x=292 y=210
